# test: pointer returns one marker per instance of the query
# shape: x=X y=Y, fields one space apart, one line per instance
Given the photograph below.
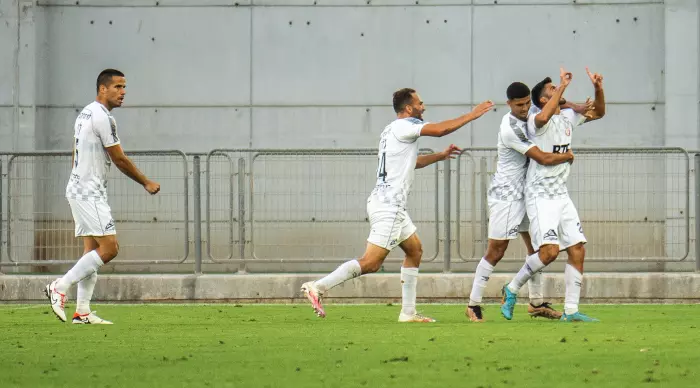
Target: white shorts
x=390 y=225
x=92 y=218
x=506 y=218
x=554 y=221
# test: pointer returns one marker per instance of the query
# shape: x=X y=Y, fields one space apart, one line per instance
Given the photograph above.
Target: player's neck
x=104 y=103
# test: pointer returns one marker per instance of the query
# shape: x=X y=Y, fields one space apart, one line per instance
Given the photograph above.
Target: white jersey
x=555 y=137
x=398 y=152
x=95 y=129
x=508 y=184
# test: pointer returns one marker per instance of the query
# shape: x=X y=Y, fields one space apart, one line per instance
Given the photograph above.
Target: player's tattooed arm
x=551 y=106
x=125 y=165
x=549 y=159
x=578 y=108
x=598 y=106
x=450 y=152
x=448 y=126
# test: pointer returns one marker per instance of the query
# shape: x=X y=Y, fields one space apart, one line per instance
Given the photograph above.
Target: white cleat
x=57 y=300
x=89 y=319
x=314 y=296
x=417 y=317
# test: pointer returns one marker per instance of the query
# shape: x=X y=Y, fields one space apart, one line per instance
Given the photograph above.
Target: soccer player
x=554 y=221
x=95 y=143
x=506 y=200
x=386 y=206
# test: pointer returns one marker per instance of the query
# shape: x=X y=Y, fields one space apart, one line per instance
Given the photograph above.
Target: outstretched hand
x=482 y=108
x=565 y=77
x=596 y=78
x=450 y=152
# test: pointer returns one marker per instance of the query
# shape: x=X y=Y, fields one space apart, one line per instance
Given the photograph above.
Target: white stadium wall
x=206 y=74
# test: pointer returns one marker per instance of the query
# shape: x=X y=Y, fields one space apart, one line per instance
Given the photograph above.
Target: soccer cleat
x=314 y=296
x=544 y=310
x=508 y=303
x=474 y=313
x=577 y=317
x=57 y=300
x=89 y=319
x=417 y=317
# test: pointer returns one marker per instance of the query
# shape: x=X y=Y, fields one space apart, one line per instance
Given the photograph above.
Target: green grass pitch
x=355 y=346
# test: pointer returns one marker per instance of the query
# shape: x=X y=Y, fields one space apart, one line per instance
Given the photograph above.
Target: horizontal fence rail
x=245 y=206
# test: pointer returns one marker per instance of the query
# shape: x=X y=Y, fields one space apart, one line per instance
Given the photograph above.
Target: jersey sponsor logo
x=550 y=235
x=110 y=225
x=513 y=232
x=393 y=242
x=85 y=115
x=560 y=149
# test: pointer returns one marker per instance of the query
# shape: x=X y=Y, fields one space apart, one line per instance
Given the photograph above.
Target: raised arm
x=449 y=153
x=448 y=126
x=598 y=106
x=578 y=108
x=551 y=106
x=125 y=165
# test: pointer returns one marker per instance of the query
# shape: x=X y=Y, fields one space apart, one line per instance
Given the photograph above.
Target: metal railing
x=633 y=202
x=308 y=206
x=38 y=223
x=287 y=206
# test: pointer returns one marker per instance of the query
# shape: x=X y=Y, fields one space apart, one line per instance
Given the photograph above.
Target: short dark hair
x=105 y=77
x=402 y=97
x=537 y=91
x=517 y=90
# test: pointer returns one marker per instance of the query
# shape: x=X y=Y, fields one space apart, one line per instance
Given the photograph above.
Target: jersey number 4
x=381 y=170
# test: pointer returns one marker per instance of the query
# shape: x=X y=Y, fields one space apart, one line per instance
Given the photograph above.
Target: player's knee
x=577 y=252
x=495 y=252
x=417 y=252
x=549 y=253
x=109 y=250
x=370 y=267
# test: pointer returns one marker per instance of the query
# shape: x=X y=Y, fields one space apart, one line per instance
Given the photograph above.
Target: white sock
x=535 y=288
x=532 y=266
x=86 y=266
x=481 y=276
x=573 y=280
x=409 y=280
x=348 y=270
x=85 y=289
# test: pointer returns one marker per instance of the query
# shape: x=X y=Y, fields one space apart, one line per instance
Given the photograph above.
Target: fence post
x=196 y=176
x=447 y=255
x=697 y=212
x=484 y=204
x=1 y=229
x=241 y=214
